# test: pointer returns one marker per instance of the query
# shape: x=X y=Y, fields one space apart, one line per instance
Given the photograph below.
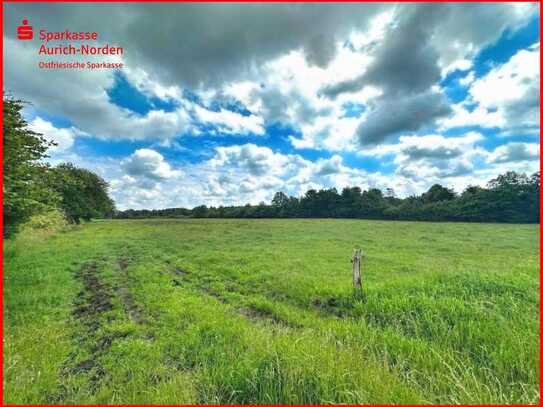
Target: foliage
x=510 y=198
x=84 y=194
x=438 y=193
x=261 y=312
x=25 y=193
x=53 y=220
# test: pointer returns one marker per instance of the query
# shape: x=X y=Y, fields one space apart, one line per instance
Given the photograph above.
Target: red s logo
x=24 y=31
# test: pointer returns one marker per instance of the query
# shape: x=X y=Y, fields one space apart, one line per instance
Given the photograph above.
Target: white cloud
x=460 y=65
x=62 y=137
x=230 y=122
x=255 y=160
x=81 y=96
x=276 y=81
x=467 y=28
x=424 y=160
x=515 y=152
x=333 y=133
x=290 y=94
x=507 y=97
x=437 y=157
x=148 y=164
x=510 y=82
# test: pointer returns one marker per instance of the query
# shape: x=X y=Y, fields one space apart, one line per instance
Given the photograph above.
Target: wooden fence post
x=357 y=277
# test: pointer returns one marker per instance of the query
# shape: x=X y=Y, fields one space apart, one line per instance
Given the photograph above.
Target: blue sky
x=366 y=96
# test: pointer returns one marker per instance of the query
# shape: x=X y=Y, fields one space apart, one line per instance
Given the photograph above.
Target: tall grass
x=262 y=311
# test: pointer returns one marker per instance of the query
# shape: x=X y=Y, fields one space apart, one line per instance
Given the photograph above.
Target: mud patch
x=123 y=263
x=336 y=306
x=212 y=293
x=132 y=309
x=94 y=299
x=267 y=316
x=91 y=307
x=104 y=342
x=179 y=275
x=181 y=272
x=182 y=276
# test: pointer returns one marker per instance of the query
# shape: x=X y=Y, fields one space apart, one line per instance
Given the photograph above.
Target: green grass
x=262 y=311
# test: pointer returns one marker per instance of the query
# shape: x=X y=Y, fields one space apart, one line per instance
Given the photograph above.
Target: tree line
x=511 y=197
x=32 y=187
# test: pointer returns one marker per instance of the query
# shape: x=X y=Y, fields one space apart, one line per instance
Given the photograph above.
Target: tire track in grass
x=250 y=311
x=254 y=313
x=91 y=305
x=133 y=310
x=326 y=307
x=339 y=306
x=94 y=313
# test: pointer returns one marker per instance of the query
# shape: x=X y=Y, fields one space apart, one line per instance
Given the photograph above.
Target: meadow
x=263 y=311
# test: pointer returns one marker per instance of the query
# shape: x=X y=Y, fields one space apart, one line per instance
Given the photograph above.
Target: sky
x=226 y=104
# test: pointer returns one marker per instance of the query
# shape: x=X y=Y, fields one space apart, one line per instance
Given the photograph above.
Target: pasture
x=262 y=311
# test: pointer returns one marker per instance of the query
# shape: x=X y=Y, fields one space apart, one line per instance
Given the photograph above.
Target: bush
x=50 y=221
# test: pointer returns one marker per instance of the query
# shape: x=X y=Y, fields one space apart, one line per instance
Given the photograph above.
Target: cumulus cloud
x=468 y=79
x=467 y=28
x=515 y=152
x=333 y=133
x=289 y=95
x=433 y=158
x=248 y=173
x=255 y=160
x=392 y=116
x=513 y=88
x=405 y=67
x=456 y=162
x=506 y=97
x=417 y=49
x=409 y=62
x=148 y=164
x=230 y=122
x=405 y=61
x=62 y=137
x=233 y=39
x=101 y=118
x=437 y=146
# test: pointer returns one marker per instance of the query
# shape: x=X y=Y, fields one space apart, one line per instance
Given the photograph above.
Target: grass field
x=262 y=311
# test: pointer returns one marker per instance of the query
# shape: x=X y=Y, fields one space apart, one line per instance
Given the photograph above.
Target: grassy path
x=261 y=311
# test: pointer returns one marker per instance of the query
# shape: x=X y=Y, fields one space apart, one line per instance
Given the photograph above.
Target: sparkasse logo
x=71 y=44
x=24 y=31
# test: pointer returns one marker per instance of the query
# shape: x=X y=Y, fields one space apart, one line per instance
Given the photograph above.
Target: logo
x=24 y=31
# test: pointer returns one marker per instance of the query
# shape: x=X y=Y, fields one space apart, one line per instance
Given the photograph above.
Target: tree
x=200 y=211
x=438 y=193
x=25 y=193
x=84 y=194
x=372 y=203
x=280 y=199
x=280 y=203
x=351 y=199
x=513 y=197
